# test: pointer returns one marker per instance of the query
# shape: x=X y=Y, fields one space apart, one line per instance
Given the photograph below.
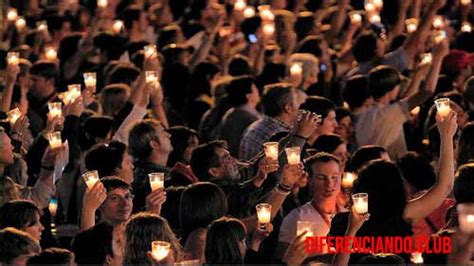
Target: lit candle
x=157 y=181
x=269 y=29
x=74 y=91
x=466 y=27
x=416 y=258
x=443 y=108
x=361 y=202
x=53 y=206
x=150 y=50
x=356 y=18
x=54 y=139
x=249 y=12
x=51 y=53
x=160 y=249
x=271 y=150
x=415 y=111
x=439 y=36
x=13 y=115
x=296 y=69
x=90 y=79
x=42 y=25
x=13 y=58
x=375 y=18
x=465 y=2
x=426 y=58
x=438 y=22
x=117 y=26
x=378 y=4
x=240 y=5
x=225 y=31
x=102 y=3
x=307 y=226
x=411 y=24
x=264 y=211
x=466 y=217
x=348 y=180
x=12 y=14
x=91 y=178
x=369 y=7
x=55 y=109
x=20 y=24
x=265 y=13
x=293 y=155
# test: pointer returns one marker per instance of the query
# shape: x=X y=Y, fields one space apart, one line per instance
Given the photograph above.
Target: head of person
x=42 y=79
x=345 y=127
x=365 y=154
x=384 y=81
x=271 y=73
x=140 y=231
x=464 y=184
x=16 y=246
x=225 y=242
x=201 y=203
x=458 y=65
x=6 y=149
x=357 y=93
x=183 y=140
x=239 y=65
x=469 y=92
x=201 y=79
x=109 y=46
x=123 y=73
x=110 y=159
x=305 y=24
x=465 y=151
x=113 y=97
x=382 y=258
x=134 y=19
x=118 y=205
x=324 y=177
x=148 y=137
x=333 y=144
x=242 y=90
x=417 y=171
x=367 y=47
x=280 y=101
x=326 y=109
x=23 y=215
x=310 y=66
x=312 y=44
x=96 y=245
x=169 y=207
x=95 y=129
x=212 y=161
x=56 y=256
x=168 y=35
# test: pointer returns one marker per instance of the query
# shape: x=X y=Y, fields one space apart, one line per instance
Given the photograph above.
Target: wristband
x=281 y=192
x=283 y=187
x=49 y=168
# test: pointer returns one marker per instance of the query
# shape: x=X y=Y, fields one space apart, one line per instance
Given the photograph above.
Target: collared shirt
x=257 y=134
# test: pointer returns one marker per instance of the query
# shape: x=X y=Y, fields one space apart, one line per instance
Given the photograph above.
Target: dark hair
x=382 y=258
x=272 y=73
x=105 y=158
x=201 y=203
x=180 y=136
x=356 y=91
x=200 y=79
x=382 y=80
x=204 y=157
x=123 y=73
x=44 y=69
x=328 y=143
x=113 y=98
x=139 y=139
x=222 y=241
x=110 y=44
x=15 y=243
x=319 y=105
x=93 y=245
x=365 y=154
x=112 y=182
x=464 y=184
x=238 y=89
x=138 y=58
x=365 y=47
x=56 y=256
x=167 y=35
x=239 y=65
x=304 y=24
x=320 y=157
x=169 y=207
x=129 y=15
x=18 y=214
x=311 y=45
x=466 y=144
x=275 y=97
x=417 y=170
x=250 y=25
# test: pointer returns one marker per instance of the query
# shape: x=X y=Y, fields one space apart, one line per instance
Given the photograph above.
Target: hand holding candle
x=411 y=24
x=90 y=79
x=55 y=140
x=20 y=24
x=157 y=181
x=361 y=202
x=117 y=26
x=55 y=109
x=271 y=150
x=443 y=107
x=51 y=54
x=356 y=18
x=160 y=249
x=13 y=115
x=264 y=213
x=150 y=50
x=13 y=58
x=90 y=178
x=466 y=217
x=249 y=12
x=309 y=227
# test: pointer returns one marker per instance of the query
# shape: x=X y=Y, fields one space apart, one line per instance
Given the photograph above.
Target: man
x=325 y=183
x=136 y=24
x=150 y=146
x=16 y=246
x=244 y=96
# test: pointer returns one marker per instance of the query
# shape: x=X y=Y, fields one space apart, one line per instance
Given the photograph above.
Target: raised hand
x=291 y=174
x=155 y=200
x=94 y=197
x=447 y=126
x=296 y=252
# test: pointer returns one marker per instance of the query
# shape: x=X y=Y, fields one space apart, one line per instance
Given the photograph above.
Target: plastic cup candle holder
x=249 y=12
x=240 y=5
x=438 y=22
x=160 y=249
x=20 y=23
x=117 y=26
x=465 y=2
x=13 y=115
x=55 y=109
x=42 y=25
x=90 y=178
x=90 y=79
x=356 y=18
x=157 y=180
x=13 y=58
x=466 y=217
x=361 y=202
x=150 y=50
x=12 y=14
x=426 y=58
x=53 y=206
x=264 y=214
x=466 y=27
x=348 y=180
x=411 y=24
x=293 y=155
x=51 y=53
x=102 y=3
x=307 y=226
x=55 y=140
x=443 y=107
x=271 y=150
x=296 y=69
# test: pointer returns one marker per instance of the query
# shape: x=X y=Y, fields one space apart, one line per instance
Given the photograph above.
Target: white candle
x=264 y=211
x=426 y=58
x=465 y=2
x=307 y=226
x=249 y=12
x=375 y=18
x=415 y=111
x=265 y=13
x=102 y=3
x=269 y=29
x=443 y=107
x=361 y=202
x=157 y=181
x=240 y=5
x=440 y=36
x=55 y=109
x=293 y=155
x=42 y=25
x=13 y=115
x=438 y=22
x=271 y=150
x=51 y=53
x=369 y=7
x=466 y=27
x=160 y=249
x=466 y=217
x=12 y=14
x=296 y=69
x=13 y=58
x=348 y=180
x=53 y=207
x=90 y=79
x=411 y=24
x=54 y=139
x=91 y=178
x=150 y=50
x=356 y=18
x=117 y=26
x=74 y=91
x=378 y=4
x=20 y=24
x=416 y=258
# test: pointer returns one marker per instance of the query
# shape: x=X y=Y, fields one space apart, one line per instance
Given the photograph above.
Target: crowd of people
x=194 y=132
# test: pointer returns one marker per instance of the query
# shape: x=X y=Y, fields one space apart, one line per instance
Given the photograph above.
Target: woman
x=23 y=215
x=140 y=231
x=183 y=141
x=333 y=144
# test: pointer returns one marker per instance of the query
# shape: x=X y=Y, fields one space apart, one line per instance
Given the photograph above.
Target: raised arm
x=10 y=78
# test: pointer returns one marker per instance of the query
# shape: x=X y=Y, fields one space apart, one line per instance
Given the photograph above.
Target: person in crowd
x=16 y=246
x=365 y=154
x=57 y=256
x=465 y=152
x=183 y=140
x=327 y=110
x=333 y=144
x=23 y=215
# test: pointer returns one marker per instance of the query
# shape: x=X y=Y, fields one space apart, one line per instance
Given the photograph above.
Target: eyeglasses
x=116 y=198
